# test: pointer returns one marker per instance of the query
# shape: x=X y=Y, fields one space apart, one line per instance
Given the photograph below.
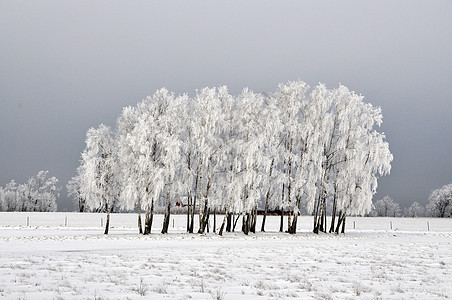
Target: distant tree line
x=299 y=148
x=39 y=193
x=439 y=206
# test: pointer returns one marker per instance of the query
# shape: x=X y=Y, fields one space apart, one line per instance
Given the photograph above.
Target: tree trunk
x=289 y=196
x=81 y=204
x=339 y=222
x=166 y=219
x=107 y=223
x=147 y=219
x=222 y=226
x=321 y=221
x=245 y=218
x=265 y=210
x=321 y=210
x=192 y=215
x=254 y=220
x=281 y=224
x=147 y=229
x=293 y=227
x=267 y=196
x=200 y=196
x=204 y=214
x=246 y=223
x=333 y=212
x=227 y=217
x=193 y=208
x=215 y=220
x=229 y=222
x=333 y=221
x=323 y=217
x=151 y=217
x=206 y=221
x=343 y=223
x=140 y=228
x=252 y=223
x=188 y=211
x=235 y=223
x=316 y=212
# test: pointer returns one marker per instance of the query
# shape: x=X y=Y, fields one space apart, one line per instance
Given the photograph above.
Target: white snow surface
x=48 y=260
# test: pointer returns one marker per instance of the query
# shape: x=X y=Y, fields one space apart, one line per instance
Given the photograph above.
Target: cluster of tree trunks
x=249 y=220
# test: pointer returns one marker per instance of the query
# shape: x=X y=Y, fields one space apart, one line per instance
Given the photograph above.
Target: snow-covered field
x=66 y=256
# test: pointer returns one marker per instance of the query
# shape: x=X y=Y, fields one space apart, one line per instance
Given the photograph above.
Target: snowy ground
x=48 y=260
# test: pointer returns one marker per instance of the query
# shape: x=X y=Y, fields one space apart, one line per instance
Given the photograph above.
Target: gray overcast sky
x=66 y=66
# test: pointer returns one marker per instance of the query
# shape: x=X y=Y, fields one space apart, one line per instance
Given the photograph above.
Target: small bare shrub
x=141 y=289
x=219 y=295
x=357 y=288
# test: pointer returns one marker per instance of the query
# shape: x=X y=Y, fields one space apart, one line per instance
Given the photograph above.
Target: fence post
x=428 y=226
x=390 y=222
x=65 y=221
x=28 y=221
x=173 y=222
x=101 y=222
x=354 y=225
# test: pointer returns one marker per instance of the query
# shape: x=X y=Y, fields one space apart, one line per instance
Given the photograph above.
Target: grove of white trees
x=39 y=193
x=316 y=150
x=385 y=207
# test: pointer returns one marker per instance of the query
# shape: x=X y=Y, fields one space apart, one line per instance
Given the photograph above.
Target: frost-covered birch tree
x=98 y=169
x=133 y=174
x=207 y=126
x=292 y=100
x=312 y=125
x=272 y=177
x=250 y=160
x=229 y=163
x=362 y=154
x=170 y=144
x=140 y=148
x=188 y=170
x=354 y=155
